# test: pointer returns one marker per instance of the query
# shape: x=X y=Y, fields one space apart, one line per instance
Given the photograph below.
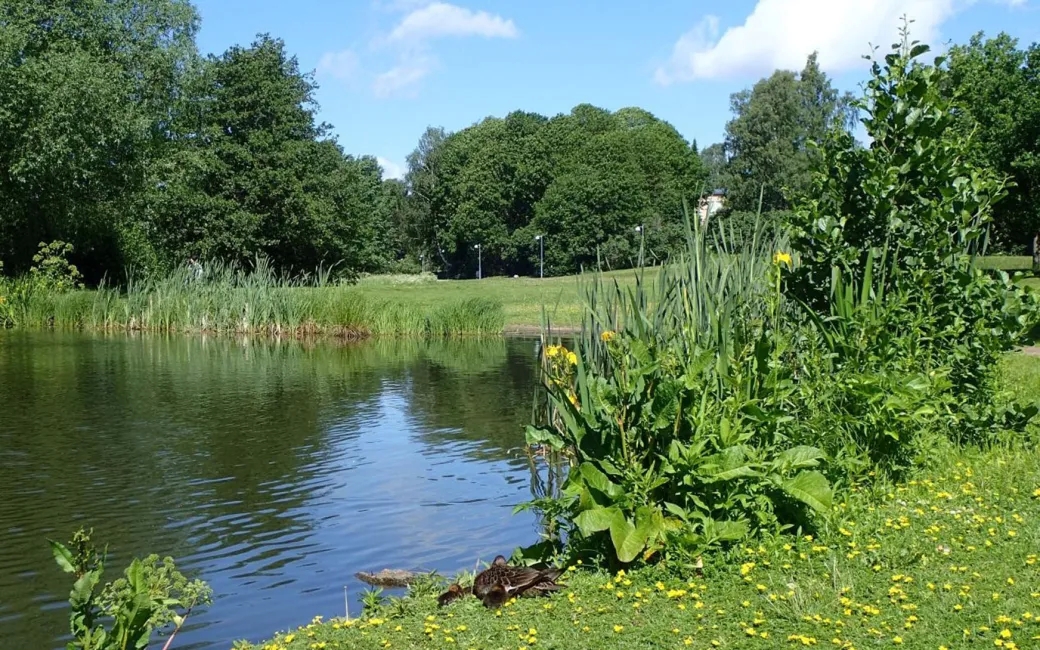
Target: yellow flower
x=607 y=336
x=782 y=258
x=572 y=358
x=619 y=628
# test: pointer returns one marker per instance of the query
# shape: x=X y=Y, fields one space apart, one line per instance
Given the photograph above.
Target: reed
x=232 y=299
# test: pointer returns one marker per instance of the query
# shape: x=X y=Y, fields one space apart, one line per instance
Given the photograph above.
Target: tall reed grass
x=231 y=299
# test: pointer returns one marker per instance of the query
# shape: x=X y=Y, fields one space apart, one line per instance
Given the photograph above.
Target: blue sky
x=389 y=68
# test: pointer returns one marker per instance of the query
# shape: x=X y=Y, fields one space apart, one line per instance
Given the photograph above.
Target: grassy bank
x=231 y=302
x=949 y=559
x=376 y=305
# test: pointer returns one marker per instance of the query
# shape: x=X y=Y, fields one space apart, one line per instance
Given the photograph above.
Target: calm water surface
x=272 y=470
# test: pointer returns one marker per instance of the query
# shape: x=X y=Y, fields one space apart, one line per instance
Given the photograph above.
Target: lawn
x=522 y=299
x=949 y=559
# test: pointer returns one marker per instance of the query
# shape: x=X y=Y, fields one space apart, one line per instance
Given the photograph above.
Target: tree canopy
x=118 y=137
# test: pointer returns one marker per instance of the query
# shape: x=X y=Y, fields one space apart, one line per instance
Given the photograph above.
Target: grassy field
x=950 y=559
x=522 y=299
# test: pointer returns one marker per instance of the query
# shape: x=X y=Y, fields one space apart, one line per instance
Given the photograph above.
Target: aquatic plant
x=123 y=614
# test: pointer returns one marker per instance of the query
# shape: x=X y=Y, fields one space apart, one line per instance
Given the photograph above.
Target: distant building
x=709 y=205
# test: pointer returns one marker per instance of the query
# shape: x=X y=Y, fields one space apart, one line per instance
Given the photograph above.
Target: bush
x=913 y=204
x=739 y=390
x=152 y=594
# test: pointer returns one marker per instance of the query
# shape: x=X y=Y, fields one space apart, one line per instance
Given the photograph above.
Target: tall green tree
x=259 y=176
x=88 y=93
x=996 y=86
x=767 y=139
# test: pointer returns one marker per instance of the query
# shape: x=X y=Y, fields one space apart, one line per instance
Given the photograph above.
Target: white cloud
x=400 y=79
x=782 y=33
x=443 y=19
x=390 y=168
x=412 y=35
x=343 y=65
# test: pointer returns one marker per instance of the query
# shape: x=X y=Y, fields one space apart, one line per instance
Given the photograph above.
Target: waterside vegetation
x=795 y=419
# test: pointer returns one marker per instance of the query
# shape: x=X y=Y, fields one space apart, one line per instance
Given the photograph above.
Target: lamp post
x=479 y=262
x=541 y=255
x=639 y=229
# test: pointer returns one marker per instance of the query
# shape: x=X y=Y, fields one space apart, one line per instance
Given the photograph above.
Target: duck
x=500 y=582
x=454 y=592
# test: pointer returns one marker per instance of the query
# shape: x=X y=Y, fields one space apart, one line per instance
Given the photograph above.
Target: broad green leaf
x=729 y=531
x=597 y=480
x=812 y=489
x=626 y=539
x=799 y=457
x=596 y=520
x=63 y=556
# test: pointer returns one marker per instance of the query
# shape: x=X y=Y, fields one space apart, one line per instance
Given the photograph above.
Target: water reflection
x=276 y=469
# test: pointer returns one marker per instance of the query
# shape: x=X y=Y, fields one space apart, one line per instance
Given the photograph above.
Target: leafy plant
x=914 y=199
x=122 y=614
x=52 y=270
x=675 y=409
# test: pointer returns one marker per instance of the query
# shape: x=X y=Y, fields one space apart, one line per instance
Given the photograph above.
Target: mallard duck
x=453 y=592
x=500 y=582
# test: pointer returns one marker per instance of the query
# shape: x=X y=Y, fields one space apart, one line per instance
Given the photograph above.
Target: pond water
x=273 y=470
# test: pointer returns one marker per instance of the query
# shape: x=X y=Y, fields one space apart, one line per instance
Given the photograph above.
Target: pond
x=273 y=470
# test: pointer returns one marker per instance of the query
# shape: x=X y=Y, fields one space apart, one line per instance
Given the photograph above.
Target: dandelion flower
x=607 y=336
x=619 y=628
x=784 y=258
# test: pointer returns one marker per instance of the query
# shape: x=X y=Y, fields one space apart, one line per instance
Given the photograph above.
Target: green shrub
x=676 y=410
x=52 y=270
x=913 y=204
x=122 y=614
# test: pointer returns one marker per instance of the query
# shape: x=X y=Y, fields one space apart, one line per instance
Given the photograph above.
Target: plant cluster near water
x=123 y=614
x=230 y=298
x=751 y=384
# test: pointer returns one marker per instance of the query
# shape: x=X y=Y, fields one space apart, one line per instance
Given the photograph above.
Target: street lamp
x=541 y=255
x=639 y=229
x=479 y=263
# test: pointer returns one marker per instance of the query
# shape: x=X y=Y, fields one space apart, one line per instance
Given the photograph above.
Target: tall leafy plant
x=675 y=410
x=914 y=197
x=123 y=614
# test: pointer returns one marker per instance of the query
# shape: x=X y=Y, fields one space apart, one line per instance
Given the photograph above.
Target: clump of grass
x=230 y=299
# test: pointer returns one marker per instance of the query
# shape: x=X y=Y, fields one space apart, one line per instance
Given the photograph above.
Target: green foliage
x=123 y=614
x=915 y=201
x=51 y=269
x=996 y=87
x=709 y=405
x=257 y=299
x=584 y=180
x=767 y=141
x=677 y=412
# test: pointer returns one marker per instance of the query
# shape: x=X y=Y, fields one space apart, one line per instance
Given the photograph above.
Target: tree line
x=120 y=138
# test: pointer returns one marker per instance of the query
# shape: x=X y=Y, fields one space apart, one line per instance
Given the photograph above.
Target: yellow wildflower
x=784 y=258
x=619 y=628
x=572 y=358
x=607 y=336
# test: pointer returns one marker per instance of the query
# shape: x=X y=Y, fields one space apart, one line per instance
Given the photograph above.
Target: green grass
x=949 y=559
x=394 y=304
x=1007 y=262
x=522 y=299
x=263 y=303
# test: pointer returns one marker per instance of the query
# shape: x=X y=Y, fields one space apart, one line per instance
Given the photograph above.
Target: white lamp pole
x=639 y=229
x=541 y=255
x=479 y=262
